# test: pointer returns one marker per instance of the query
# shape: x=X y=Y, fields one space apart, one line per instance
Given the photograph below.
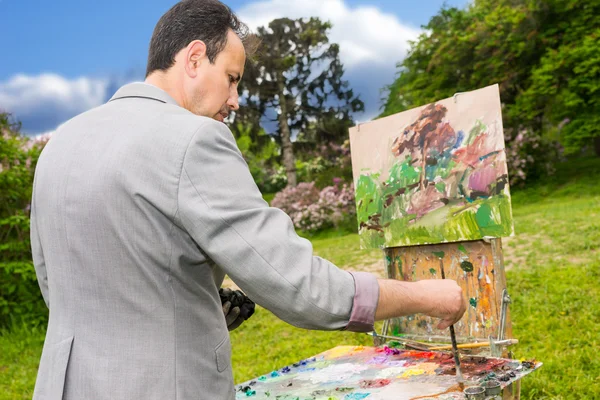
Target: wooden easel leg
x=512 y=391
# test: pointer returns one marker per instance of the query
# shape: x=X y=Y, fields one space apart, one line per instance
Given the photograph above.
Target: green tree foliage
x=260 y=151
x=298 y=78
x=542 y=53
x=20 y=298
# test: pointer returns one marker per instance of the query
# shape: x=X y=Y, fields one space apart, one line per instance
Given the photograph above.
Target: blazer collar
x=143 y=90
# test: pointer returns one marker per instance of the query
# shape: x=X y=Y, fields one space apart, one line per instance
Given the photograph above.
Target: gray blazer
x=139 y=210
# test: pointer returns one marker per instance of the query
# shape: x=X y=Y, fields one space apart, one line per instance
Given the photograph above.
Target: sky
x=60 y=58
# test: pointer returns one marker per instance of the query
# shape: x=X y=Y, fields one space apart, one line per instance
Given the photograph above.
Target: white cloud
x=42 y=102
x=365 y=34
x=23 y=91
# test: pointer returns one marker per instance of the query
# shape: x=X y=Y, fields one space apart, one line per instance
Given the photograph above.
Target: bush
x=326 y=163
x=312 y=210
x=531 y=157
x=20 y=297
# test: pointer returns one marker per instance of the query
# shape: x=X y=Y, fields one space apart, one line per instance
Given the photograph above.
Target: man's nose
x=233 y=101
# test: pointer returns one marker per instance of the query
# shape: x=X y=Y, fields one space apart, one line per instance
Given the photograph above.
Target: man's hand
x=438 y=298
x=444 y=301
x=237 y=307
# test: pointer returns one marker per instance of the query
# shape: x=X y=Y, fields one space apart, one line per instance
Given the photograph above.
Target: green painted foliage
x=403 y=174
x=368 y=197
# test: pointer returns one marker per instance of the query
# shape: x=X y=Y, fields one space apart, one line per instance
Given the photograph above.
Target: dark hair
x=189 y=20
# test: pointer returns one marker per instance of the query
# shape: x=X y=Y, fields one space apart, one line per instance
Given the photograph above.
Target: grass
x=20 y=351
x=553 y=277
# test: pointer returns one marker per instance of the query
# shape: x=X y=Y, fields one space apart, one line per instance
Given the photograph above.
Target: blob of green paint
x=462 y=248
x=433 y=271
x=473 y=302
x=466 y=266
x=439 y=254
x=262 y=378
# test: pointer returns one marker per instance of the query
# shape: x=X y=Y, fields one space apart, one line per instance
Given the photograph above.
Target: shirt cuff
x=366 y=297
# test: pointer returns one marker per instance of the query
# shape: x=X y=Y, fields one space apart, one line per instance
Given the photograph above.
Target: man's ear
x=195 y=55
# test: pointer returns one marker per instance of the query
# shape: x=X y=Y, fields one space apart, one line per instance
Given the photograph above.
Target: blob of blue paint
x=248 y=390
x=356 y=396
x=274 y=374
x=285 y=370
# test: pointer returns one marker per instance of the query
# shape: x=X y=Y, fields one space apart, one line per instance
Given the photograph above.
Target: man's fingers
x=226 y=306
x=235 y=323
x=237 y=307
x=232 y=315
x=444 y=324
x=247 y=309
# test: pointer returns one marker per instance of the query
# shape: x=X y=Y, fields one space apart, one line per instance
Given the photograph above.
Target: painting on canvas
x=433 y=174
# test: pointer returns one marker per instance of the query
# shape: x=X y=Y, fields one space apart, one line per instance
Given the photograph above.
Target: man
x=140 y=208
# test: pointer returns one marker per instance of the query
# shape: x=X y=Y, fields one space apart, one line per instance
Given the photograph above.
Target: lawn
x=553 y=276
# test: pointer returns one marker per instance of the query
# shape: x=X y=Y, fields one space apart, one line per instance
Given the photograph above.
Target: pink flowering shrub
x=312 y=210
x=531 y=157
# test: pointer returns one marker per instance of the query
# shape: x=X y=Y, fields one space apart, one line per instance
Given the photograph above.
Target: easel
x=478 y=268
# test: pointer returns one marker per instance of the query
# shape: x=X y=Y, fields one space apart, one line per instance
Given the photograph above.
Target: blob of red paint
x=374 y=383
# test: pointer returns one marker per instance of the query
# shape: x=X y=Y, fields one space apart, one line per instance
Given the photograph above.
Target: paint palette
x=383 y=373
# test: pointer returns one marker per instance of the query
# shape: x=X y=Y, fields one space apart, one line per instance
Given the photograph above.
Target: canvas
x=433 y=174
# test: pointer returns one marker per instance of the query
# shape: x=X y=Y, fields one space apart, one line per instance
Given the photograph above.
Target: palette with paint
x=380 y=373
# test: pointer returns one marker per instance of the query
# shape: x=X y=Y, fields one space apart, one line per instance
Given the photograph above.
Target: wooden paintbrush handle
x=475 y=345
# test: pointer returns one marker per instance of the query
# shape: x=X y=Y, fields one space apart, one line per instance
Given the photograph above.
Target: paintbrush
x=459 y=376
x=405 y=342
x=476 y=345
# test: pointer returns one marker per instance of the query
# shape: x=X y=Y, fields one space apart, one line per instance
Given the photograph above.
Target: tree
x=259 y=150
x=297 y=82
x=543 y=54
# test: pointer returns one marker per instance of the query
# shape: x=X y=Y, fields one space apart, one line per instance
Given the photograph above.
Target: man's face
x=213 y=92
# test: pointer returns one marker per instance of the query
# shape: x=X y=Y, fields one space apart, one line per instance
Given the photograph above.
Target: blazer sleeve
x=39 y=262
x=221 y=207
